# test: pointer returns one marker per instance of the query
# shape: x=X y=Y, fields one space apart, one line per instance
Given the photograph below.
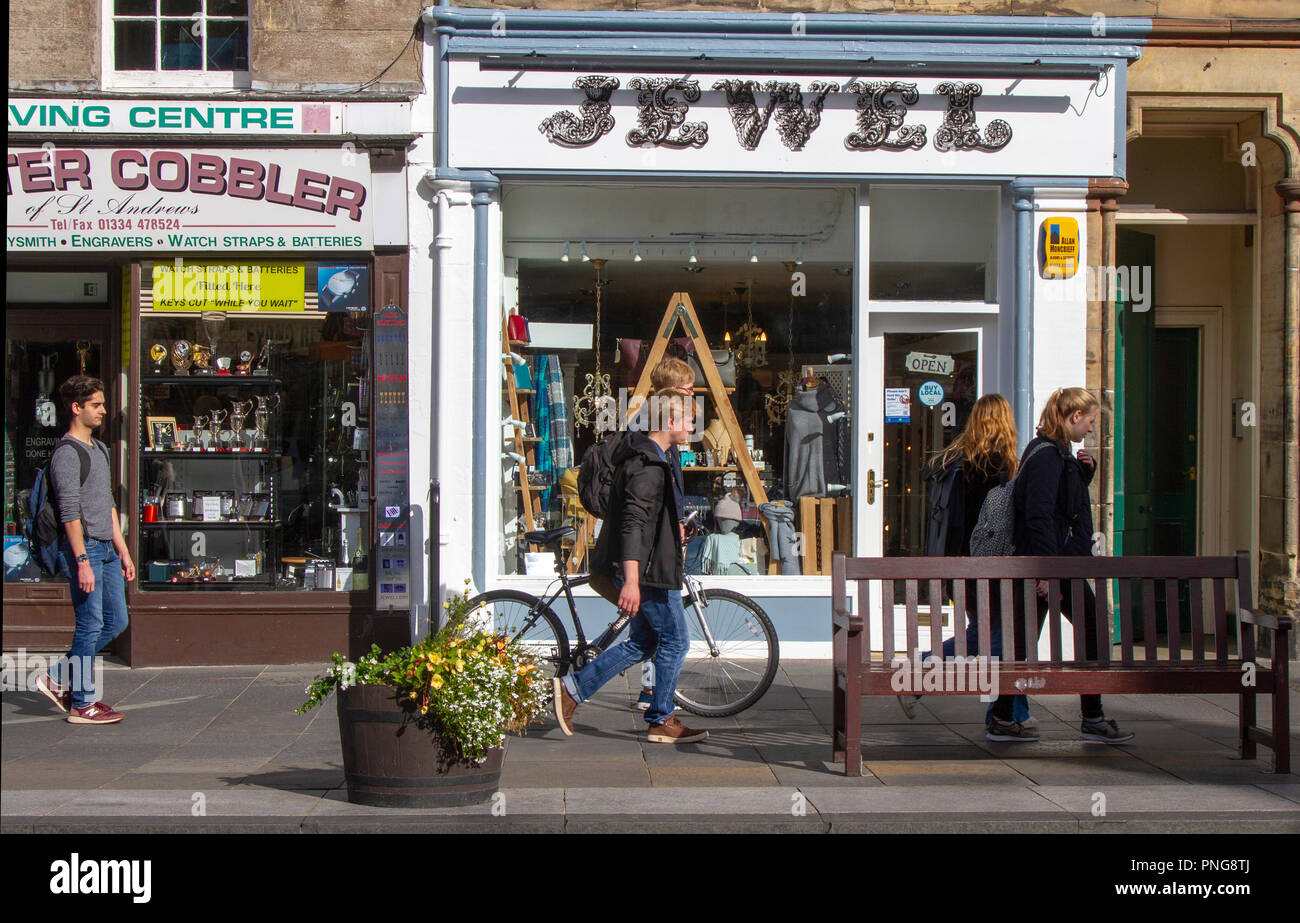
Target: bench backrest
x=1008 y=576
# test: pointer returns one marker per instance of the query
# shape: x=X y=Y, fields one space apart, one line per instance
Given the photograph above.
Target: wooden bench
x=1138 y=669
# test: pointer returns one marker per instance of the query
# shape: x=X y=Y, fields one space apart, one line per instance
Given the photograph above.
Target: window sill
x=177 y=81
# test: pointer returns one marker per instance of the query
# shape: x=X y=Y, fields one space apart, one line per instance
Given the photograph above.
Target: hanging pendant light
x=597 y=393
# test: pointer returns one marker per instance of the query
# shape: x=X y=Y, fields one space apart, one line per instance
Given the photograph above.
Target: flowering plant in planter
x=466 y=683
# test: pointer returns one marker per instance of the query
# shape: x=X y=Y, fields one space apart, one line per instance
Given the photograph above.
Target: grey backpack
x=994 y=534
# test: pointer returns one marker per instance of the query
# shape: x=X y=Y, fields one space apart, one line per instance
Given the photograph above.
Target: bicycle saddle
x=549 y=536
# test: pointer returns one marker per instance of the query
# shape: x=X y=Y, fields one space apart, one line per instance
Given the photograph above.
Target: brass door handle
x=871 y=485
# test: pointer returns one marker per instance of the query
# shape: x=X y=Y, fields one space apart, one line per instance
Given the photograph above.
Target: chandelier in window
x=596 y=394
x=751 y=339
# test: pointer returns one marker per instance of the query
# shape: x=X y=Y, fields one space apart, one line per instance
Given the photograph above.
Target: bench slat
x=1220 y=622
x=1054 y=618
x=1030 y=598
x=1006 y=590
x=1126 y=620
x=1079 y=619
x=913 y=639
x=1149 y=617
x=936 y=620
x=983 y=628
x=959 y=617
x=864 y=613
x=1198 y=627
x=1103 y=621
x=1173 y=621
x=887 y=618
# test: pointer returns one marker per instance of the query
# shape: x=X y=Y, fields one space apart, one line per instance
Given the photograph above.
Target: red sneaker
x=95 y=713
x=59 y=695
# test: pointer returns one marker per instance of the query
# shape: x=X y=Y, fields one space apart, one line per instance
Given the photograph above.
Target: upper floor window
x=176 y=43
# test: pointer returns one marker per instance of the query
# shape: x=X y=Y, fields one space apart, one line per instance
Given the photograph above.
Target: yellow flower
x=434 y=659
x=424 y=709
x=436 y=682
x=460 y=665
x=525 y=669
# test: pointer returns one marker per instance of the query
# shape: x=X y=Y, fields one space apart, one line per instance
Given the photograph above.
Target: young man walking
x=640 y=545
x=92 y=545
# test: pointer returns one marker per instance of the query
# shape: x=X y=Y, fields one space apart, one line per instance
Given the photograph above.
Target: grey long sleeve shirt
x=91 y=502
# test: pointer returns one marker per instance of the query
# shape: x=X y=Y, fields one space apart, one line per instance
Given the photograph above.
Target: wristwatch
x=82 y=557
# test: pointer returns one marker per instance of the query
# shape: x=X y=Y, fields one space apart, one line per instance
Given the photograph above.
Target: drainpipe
x=1289 y=190
x=1023 y=405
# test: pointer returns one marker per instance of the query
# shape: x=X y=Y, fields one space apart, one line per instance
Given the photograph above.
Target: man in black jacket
x=641 y=545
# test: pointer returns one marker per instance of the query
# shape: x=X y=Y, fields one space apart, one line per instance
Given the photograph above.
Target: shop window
x=933 y=244
x=768 y=272
x=254 y=427
x=181 y=43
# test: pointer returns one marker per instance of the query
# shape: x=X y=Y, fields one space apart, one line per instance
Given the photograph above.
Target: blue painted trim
x=480 y=201
x=1120 y=76
x=742 y=178
x=600 y=22
x=479 y=180
x=1022 y=359
x=443 y=96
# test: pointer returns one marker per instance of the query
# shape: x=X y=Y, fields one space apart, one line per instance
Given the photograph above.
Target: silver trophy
x=239 y=411
x=216 y=418
x=214 y=325
x=262 y=418
x=200 y=424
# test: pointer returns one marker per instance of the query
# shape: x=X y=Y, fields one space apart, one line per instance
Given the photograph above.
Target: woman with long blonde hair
x=1054 y=517
x=979 y=459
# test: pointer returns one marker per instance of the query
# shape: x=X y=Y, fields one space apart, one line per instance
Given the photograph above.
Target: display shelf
x=224 y=454
x=208 y=380
x=687 y=468
x=211 y=524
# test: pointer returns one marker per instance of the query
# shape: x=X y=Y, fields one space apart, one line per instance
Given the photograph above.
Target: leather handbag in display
x=632 y=354
x=724 y=359
x=517 y=327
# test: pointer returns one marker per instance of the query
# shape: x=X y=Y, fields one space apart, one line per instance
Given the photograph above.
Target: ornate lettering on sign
x=879 y=117
x=569 y=130
x=659 y=114
x=750 y=124
x=959 y=131
x=796 y=123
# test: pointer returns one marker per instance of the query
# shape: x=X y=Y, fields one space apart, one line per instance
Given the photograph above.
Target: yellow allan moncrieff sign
x=186 y=286
x=1058 y=248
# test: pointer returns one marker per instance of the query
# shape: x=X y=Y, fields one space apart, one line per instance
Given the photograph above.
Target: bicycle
x=733 y=655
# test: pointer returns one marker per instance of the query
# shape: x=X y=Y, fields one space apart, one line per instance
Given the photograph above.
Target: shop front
x=863 y=234
x=231 y=298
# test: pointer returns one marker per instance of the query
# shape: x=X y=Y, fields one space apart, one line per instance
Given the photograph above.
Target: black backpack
x=43 y=529
x=596 y=474
x=947 y=497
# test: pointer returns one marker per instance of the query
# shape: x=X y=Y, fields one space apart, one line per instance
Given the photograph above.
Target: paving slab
x=934 y=799
x=512 y=801
x=1067 y=770
x=706 y=776
x=589 y=773
x=1289 y=790
x=35 y=802
x=945 y=772
x=1184 y=799
x=181 y=803
x=714 y=800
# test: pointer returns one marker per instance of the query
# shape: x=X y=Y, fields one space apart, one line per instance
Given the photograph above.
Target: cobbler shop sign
x=85 y=199
x=807 y=124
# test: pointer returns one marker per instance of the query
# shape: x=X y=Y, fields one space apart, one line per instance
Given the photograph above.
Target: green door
x=1134 y=394
x=1174 y=452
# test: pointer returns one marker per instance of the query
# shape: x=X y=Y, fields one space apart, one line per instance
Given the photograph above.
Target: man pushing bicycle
x=640 y=549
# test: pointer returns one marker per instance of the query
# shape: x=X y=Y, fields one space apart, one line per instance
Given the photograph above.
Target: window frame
x=167 y=80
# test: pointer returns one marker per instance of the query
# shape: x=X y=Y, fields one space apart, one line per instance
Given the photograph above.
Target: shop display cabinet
x=209 y=496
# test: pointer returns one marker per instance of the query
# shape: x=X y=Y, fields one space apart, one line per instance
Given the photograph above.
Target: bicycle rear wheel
x=733 y=679
x=523 y=618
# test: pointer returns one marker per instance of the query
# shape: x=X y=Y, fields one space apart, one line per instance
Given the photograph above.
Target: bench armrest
x=843 y=618
x=1275 y=622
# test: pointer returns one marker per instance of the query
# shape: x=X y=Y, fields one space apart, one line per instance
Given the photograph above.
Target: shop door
x=922 y=379
x=42 y=349
x=1174 y=454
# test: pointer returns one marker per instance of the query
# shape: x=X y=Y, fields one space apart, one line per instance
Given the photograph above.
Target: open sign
x=928 y=364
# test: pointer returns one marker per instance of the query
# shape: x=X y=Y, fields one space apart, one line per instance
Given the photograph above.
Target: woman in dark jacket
x=975 y=463
x=1054 y=517
x=641 y=545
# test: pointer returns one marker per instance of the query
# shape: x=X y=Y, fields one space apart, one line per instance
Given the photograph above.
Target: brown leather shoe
x=565 y=706
x=673 y=731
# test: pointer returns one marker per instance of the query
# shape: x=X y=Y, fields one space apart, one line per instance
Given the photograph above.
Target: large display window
x=254 y=427
x=598 y=274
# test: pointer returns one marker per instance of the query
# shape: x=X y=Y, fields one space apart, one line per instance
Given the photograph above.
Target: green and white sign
x=172 y=116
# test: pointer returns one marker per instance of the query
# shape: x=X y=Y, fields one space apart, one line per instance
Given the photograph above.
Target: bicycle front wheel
x=746 y=658
x=525 y=619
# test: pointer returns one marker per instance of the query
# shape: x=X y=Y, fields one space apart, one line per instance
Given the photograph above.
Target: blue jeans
x=100 y=617
x=658 y=631
x=1021 y=708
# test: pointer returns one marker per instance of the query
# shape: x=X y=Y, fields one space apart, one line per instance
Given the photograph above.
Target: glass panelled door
x=923 y=375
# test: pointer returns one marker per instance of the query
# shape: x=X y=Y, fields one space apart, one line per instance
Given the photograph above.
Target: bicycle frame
x=615 y=628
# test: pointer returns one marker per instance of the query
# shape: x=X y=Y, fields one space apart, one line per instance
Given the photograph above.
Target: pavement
x=220 y=748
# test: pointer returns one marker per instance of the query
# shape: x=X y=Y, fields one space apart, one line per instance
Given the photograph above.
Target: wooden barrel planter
x=390 y=762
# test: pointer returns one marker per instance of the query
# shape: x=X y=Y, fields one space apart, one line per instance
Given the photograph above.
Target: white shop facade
x=855 y=216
